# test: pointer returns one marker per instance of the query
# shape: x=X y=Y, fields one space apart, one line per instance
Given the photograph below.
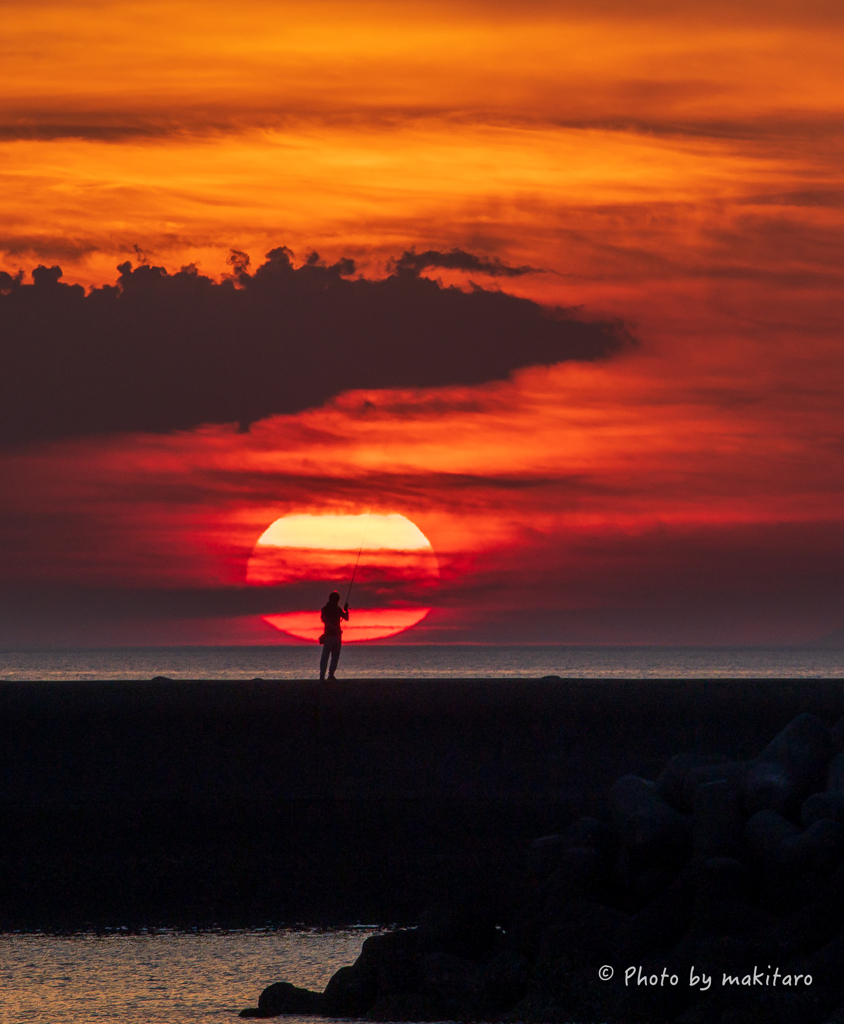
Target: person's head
x=333 y=597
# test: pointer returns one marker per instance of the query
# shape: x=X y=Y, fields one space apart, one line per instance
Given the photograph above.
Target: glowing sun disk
x=364 y=624
x=345 y=533
x=396 y=557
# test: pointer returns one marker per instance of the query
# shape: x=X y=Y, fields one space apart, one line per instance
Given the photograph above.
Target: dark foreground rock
x=713 y=894
x=282 y=997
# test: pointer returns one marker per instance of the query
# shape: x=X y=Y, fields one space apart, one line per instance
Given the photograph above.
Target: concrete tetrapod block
x=792 y=765
x=651 y=831
x=671 y=782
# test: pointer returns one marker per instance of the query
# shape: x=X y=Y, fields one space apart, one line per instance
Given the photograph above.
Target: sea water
x=168 y=978
x=404 y=661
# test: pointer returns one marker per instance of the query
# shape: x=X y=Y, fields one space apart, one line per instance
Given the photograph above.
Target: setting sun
x=387 y=555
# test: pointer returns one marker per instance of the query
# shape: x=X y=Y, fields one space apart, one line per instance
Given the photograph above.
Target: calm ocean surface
x=161 y=979
x=413 y=662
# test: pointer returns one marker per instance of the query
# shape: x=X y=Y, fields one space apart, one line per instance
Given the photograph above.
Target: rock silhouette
x=731 y=870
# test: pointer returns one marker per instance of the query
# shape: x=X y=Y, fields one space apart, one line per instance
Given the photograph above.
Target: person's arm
x=345 y=612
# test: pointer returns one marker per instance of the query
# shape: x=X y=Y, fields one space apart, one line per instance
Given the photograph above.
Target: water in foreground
x=404 y=661
x=170 y=978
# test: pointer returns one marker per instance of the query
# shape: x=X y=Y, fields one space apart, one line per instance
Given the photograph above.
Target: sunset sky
x=576 y=314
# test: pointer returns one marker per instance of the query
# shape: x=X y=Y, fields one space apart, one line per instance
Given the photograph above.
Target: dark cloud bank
x=160 y=352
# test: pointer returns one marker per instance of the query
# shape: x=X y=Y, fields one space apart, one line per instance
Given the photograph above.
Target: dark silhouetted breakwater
x=242 y=803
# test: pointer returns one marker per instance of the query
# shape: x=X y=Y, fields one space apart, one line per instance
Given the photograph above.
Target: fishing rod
x=354 y=572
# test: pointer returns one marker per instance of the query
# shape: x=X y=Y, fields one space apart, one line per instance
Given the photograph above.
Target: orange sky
x=675 y=166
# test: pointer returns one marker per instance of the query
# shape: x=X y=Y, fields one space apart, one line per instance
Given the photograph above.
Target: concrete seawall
x=238 y=803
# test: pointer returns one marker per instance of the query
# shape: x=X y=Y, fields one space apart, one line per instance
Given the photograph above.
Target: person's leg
x=335 y=657
x=323 y=661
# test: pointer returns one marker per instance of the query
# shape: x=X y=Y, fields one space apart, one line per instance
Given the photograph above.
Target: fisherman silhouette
x=332 y=638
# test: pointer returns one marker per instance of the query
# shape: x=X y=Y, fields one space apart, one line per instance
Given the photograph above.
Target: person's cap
x=333 y=596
